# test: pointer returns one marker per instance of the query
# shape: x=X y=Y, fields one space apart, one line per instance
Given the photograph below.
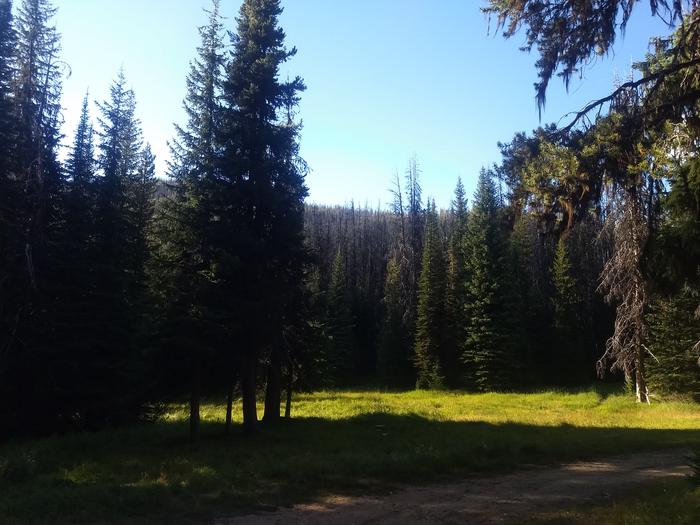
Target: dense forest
x=576 y=258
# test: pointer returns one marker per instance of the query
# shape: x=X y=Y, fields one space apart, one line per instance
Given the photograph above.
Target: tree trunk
x=248 y=392
x=229 y=404
x=290 y=382
x=273 y=392
x=640 y=379
x=195 y=395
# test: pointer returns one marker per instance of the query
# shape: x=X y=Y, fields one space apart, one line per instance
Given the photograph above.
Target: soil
x=498 y=499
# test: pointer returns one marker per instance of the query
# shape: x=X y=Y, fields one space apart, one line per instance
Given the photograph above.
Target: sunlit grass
x=675 y=502
x=548 y=408
x=337 y=441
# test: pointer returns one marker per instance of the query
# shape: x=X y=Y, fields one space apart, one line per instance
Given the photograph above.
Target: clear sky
x=386 y=79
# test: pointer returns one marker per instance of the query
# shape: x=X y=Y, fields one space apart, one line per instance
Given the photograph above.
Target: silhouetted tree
x=195 y=323
x=262 y=197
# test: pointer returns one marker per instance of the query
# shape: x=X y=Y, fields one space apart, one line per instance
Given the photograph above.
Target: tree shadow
x=151 y=474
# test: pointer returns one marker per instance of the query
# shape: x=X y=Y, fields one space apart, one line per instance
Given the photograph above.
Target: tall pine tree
x=9 y=192
x=486 y=352
x=455 y=287
x=33 y=211
x=193 y=318
x=340 y=325
x=75 y=334
x=8 y=126
x=430 y=325
x=262 y=198
x=116 y=355
x=393 y=359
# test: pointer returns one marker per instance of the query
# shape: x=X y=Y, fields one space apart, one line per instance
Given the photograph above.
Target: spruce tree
x=564 y=300
x=118 y=271
x=141 y=199
x=79 y=199
x=393 y=363
x=37 y=106
x=75 y=334
x=486 y=353
x=568 y=352
x=120 y=143
x=455 y=287
x=8 y=126
x=528 y=262
x=262 y=199
x=182 y=272
x=9 y=191
x=340 y=325
x=430 y=325
x=35 y=212
x=674 y=329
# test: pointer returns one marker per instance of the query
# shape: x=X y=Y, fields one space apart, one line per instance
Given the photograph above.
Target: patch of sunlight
x=586 y=408
x=84 y=473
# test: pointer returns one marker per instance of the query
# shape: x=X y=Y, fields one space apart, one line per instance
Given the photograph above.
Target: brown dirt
x=510 y=498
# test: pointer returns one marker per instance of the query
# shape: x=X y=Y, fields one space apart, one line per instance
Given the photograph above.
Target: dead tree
x=622 y=283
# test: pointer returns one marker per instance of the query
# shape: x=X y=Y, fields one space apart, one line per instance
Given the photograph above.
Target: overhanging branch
x=659 y=75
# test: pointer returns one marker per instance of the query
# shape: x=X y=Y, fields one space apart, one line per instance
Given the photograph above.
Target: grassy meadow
x=341 y=442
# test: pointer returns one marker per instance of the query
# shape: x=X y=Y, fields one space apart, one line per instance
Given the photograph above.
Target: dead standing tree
x=622 y=282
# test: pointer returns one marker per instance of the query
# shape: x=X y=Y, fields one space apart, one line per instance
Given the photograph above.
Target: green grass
x=674 y=502
x=345 y=442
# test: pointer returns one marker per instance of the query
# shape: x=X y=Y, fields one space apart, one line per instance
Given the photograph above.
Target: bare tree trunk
x=640 y=378
x=273 y=392
x=248 y=392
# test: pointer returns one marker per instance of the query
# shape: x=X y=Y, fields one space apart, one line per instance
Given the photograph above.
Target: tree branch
x=624 y=87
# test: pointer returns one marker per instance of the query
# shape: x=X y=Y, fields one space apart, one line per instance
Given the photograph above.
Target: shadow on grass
x=150 y=474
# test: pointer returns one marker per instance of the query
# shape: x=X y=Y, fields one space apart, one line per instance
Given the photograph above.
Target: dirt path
x=487 y=500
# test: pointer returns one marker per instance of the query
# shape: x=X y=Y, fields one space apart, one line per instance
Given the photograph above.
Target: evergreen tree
x=564 y=300
x=430 y=325
x=75 y=334
x=9 y=191
x=455 y=287
x=529 y=255
x=141 y=199
x=37 y=106
x=182 y=274
x=568 y=352
x=674 y=333
x=79 y=201
x=486 y=353
x=340 y=325
x=120 y=143
x=33 y=212
x=262 y=197
x=413 y=246
x=7 y=117
x=393 y=364
x=116 y=358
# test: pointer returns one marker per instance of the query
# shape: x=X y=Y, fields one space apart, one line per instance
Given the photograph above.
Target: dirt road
x=509 y=498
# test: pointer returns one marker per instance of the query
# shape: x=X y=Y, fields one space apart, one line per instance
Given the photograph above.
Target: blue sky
x=387 y=79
